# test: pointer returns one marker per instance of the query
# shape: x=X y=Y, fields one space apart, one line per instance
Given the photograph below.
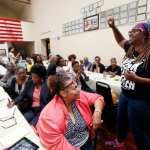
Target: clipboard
x=24 y=144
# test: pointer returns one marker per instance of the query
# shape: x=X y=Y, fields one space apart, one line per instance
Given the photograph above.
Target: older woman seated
x=80 y=77
x=98 y=66
x=114 y=69
x=66 y=123
x=18 y=83
x=10 y=74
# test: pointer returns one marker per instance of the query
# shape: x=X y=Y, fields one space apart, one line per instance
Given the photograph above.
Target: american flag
x=10 y=30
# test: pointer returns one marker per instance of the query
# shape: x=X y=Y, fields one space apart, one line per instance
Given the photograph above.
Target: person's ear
x=63 y=94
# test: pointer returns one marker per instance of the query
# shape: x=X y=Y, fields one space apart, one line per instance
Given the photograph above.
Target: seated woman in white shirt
x=13 y=55
x=80 y=77
x=60 y=63
x=71 y=59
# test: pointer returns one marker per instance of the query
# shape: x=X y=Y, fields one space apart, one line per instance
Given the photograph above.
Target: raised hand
x=111 y=22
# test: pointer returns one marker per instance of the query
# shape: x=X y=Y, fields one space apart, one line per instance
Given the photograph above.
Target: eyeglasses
x=97 y=59
x=134 y=31
x=71 y=84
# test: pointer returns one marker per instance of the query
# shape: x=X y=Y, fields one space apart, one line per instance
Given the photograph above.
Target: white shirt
x=3 y=70
x=11 y=57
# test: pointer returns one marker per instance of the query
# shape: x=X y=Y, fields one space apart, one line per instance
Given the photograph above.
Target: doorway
x=26 y=48
x=46 y=46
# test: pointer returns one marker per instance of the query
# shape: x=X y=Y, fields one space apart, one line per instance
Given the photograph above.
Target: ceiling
x=23 y=1
x=17 y=6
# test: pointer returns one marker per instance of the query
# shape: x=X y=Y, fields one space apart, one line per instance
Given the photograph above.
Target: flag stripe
x=10 y=27
x=9 y=19
x=10 y=30
x=9 y=23
x=10 y=40
x=10 y=34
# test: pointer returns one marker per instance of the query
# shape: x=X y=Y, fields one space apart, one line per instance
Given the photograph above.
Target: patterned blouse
x=77 y=133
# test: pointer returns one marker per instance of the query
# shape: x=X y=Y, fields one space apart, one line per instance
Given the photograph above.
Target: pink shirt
x=36 y=97
x=54 y=119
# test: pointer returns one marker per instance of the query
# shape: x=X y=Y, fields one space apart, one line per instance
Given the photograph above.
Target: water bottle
x=104 y=74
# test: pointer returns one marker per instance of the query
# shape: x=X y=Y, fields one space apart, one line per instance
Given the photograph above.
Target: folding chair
x=109 y=112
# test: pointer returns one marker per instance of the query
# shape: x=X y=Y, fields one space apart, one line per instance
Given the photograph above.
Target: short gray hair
x=61 y=79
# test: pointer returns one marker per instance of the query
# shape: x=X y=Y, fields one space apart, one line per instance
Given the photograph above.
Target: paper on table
x=3 y=96
x=13 y=137
x=6 y=113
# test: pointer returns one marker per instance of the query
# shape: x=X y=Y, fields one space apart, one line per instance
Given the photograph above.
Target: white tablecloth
x=114 y=83
x=9 y=136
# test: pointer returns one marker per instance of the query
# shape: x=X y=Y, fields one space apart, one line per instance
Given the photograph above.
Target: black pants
x=134 y=113
x=32 y=115
x=88 y=145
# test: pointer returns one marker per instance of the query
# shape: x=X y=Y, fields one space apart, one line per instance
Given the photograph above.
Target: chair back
x=105 y=90
x=108 y=115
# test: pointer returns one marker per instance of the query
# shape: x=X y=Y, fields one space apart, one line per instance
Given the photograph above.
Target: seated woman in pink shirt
x=67 y=123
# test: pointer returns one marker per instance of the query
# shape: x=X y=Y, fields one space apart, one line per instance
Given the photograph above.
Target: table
x=10 y=135
x=114 y=82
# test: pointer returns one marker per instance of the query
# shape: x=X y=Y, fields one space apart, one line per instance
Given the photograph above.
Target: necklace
x=141 y=56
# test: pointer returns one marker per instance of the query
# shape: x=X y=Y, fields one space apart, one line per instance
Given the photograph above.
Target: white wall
x=49 y=15
x=28 y=31
x=90 y=44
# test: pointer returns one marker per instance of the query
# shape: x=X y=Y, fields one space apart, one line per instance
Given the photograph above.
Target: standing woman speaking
x=134 y=102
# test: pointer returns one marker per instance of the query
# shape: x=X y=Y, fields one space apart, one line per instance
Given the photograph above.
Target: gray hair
x=61 y=79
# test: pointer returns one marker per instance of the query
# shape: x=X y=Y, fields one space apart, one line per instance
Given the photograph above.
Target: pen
x=9 y=100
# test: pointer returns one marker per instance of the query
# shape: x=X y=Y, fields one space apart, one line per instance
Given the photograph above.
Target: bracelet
x=97 y=110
